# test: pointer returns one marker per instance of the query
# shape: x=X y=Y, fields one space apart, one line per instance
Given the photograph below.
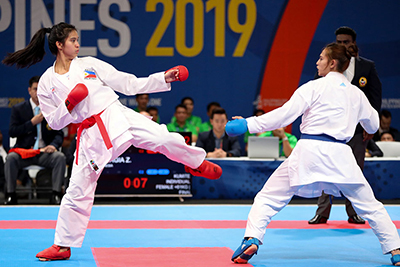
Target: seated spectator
x=206 y=126
x=180 y=124
x=3 y=155
x=385 y=122
x=69 y=159
x=286 y=141
x=146 y=114
x=3 y=150
x=153 y=111
x=31 y=130
x=69 y=134
x=2 y=180
x=373 y=150
x=216 y=142
x=387 y=137
x=193 y=120
x=142 y=102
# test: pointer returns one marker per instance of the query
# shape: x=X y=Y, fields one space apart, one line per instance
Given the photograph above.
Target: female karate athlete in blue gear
x=331 y=109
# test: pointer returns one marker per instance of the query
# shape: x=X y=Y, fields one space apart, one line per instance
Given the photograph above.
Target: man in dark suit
x=362 y=73
x=32 y=131
x=216 y=142
x=3 y=155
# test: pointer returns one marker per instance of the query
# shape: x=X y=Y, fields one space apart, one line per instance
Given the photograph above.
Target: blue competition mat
x=282 y=247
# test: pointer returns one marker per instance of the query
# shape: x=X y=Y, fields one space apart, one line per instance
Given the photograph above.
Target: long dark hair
x=34 y=51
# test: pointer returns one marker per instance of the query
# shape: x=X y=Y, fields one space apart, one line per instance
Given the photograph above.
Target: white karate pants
x=277 y=193
x=76 y=205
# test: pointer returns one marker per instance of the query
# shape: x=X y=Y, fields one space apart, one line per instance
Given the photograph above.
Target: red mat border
x=164 y=256
x=182 y=224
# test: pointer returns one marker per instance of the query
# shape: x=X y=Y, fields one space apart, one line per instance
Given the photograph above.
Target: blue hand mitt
x=236 y=127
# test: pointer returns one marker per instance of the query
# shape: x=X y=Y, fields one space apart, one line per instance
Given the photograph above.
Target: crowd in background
x=210 y=135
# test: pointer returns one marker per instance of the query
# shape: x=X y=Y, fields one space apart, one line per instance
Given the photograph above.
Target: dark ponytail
x=35 y=52
x=29 y=55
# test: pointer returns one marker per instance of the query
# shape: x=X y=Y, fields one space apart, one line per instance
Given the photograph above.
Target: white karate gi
x=124 y=126
x=331 y=106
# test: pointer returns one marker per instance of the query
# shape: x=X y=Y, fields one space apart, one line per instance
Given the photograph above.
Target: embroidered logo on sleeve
x=90 y=74
x=94 y=165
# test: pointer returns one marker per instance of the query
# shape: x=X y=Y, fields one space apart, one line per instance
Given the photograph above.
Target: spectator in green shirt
x=206 y=126
x=286 y=141
x=192 y=119
x=142 y=102
x=180 y=124
x=153 y=111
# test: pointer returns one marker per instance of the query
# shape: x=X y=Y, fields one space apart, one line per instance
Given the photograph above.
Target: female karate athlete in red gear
x=82 y=90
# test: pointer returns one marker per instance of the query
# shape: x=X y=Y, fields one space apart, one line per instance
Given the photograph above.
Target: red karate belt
x=89 y=122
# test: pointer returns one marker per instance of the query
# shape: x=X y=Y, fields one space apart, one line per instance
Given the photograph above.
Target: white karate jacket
x=330 y=105
x=102 y=80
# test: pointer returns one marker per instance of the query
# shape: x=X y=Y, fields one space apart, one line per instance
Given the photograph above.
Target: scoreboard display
x=139 y=172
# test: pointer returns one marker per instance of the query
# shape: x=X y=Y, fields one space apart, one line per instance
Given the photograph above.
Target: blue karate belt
x=322 y=137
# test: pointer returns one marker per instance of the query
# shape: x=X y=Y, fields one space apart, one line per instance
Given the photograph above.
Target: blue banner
x=225 y=44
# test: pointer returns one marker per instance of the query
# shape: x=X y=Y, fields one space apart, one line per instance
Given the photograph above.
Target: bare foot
x=396 y=252
x=63 y=249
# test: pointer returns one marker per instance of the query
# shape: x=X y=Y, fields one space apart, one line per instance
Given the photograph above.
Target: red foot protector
x=207 y=170
x=53 y=253
x=183 y=72
x=166 y=257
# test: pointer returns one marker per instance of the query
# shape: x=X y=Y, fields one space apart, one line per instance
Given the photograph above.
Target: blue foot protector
x=236 y=127
x=395 y=259
x=246 y=243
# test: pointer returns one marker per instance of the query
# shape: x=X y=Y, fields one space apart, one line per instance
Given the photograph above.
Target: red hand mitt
x=77 y=94
x=183 y=72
